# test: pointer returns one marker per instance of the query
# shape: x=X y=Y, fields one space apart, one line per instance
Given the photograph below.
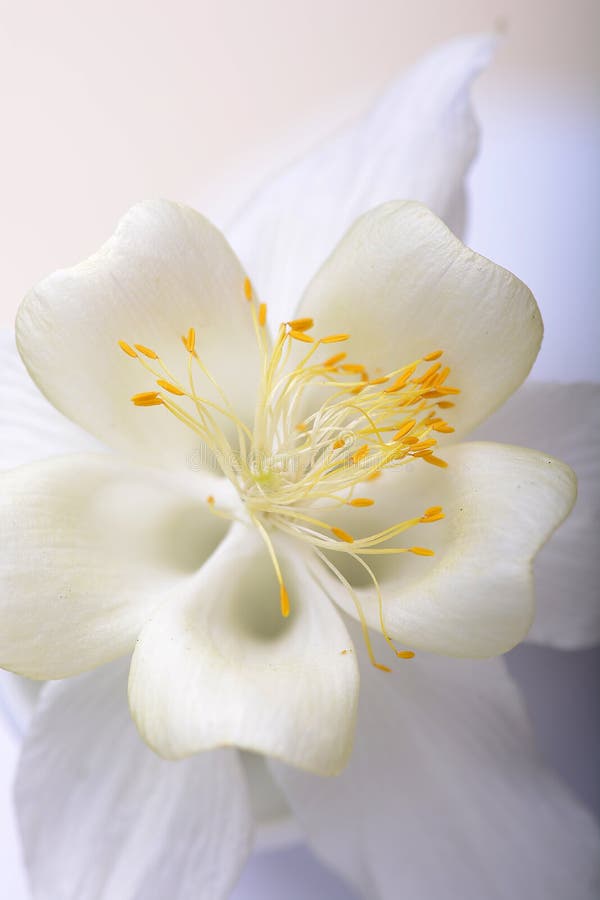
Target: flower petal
x=403 y=286
x=88 y=545
x=445 y=795
x=103 y=818
x=218 y=664
x=562 y=419
x=30 y=427
x=165 y=269
x=475 y=598
x=416 y=142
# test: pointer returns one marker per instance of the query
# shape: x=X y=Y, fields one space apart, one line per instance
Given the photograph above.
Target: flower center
x=323 y=429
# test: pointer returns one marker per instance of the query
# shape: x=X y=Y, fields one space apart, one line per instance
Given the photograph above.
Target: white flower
x=222 y=585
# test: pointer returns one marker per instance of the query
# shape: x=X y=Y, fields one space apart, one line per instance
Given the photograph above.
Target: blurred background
x=106 y=104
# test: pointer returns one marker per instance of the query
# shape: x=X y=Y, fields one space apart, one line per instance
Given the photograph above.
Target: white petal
x=165 y=269
x=30 y=428
x=445 y=795
x=416 y=142
x=219 y=665
x=475 y=597
x=403 y=286
x=564 y=420
x=87 y=546
x=103 y=818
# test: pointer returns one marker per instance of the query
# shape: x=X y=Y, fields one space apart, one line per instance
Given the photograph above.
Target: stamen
x=146 y=351
x=431 y=356
x=334 y=339
x=144 y=395
x=421 y=551
x=303 y=324
x=171 y=388
x=301 y=336
x=127 y=349
x=262 y=314
x=210 y=500
x=342 y=535
x=361 y=502
x=189 y=340
x=405 y=654
x=248 y=289
x=333 y=360
x=360 y=453
x=284 y=601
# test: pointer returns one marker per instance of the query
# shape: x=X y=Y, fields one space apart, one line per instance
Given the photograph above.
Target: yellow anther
x=334 y=339
x=400 y=382
x=189 y=341
x=441 y=376
x=127 y=349
x=431 y=356
x=146 y=351
x=435 y=517
x=144 y=395
x=360 y=453
x=432 y=511
x=374 y=381
x=301 y=336
x=171 y=388
x=284 y=601
x=361 y=501
x=446 y=404
x=339 y=443
x=381 y=667
x=333 y=360
x=353 y=367
x=301 y=426
x=435 y=461
x=443 y=428
x=342 y=535
x=247 y=289
x=405 y=654
x=428 y=375
x=301 y=324
x=421 y=551
x=210 y=500
x=373 y=476
x=404 y=429
x=262 y=314
x=423 y=445
x=438 y=392
x=150 y=400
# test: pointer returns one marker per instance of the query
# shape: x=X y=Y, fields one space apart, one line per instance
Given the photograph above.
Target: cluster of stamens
x=288 y=463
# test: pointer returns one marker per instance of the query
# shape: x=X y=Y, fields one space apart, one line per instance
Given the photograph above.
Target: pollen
x=171 y=388
x=304 y=324
x=127 y=349
x=301 y=336
x=334 y=339
x=342 y=535
x=334 y=360
x=146 y=351
x=284 y=601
